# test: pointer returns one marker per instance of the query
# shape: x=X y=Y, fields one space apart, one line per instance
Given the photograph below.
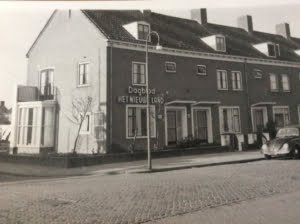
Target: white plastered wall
x=71 y=38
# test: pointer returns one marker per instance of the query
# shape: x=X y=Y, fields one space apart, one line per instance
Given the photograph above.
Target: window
x=86 y=124
x=236 y=80
x=271 y=50
x=138 y=73
x=257 y=74
x=170 y=66
x=299 y=113
x=220 y=43
x=33 y=129
x=285 y=83
x=281 y=116
x=273 y=82
x=46 y=84
x=230 y=120
x=201 y=70
x=83 y=74
x=222 y=79
x=143 y=31
x=137 y=121
x=278 y=49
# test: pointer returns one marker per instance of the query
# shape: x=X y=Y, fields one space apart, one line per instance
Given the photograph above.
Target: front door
x=174 y=125
x=259 y=119
x=200 y=125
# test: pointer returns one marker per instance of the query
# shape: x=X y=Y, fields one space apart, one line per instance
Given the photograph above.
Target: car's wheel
x=267 y=156
x=296 y=153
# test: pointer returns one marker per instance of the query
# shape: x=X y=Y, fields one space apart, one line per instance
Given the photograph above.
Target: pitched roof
x=186 y=34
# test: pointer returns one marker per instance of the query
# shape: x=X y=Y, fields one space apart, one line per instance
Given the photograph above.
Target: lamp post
x=158 y=47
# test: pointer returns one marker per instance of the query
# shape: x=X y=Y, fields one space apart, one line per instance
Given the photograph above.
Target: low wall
x=69 y=161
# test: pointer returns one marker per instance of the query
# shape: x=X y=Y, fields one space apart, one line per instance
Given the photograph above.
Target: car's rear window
x=284 y=132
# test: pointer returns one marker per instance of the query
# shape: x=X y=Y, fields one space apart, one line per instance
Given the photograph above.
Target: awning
x=263 y=104
x=180 y=102
x=206 y=103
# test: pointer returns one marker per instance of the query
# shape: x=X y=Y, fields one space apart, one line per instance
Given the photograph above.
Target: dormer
x=139 y=30
x=297 y=52
x=270 y=49
x=216 y=42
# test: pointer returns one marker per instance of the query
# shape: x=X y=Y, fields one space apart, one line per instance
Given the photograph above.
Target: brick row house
x=207 y=81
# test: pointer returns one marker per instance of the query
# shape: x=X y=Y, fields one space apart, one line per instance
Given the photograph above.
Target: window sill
x=140 y=137
x=170 y=71
x=286 y=91
x=84 y=133
x=237 y=90
x=136 y=84
x=274 y=91
x=223 y=89
x=202 y=74
x=82 y=86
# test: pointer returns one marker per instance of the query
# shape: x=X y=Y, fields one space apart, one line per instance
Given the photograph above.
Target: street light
x=158 y=47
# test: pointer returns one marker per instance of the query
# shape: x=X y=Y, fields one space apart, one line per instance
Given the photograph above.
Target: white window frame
x=288 y=83
x=277 y=47
x=276 y=79
x=152 y=107
x=40 y=77
x=87 y=74
x=84 y=132
x=209 y=122
x=132 y=74
x=219 y=84
x=184 y=121
x=232 y=80
x=221 y=119
x=203 y=66
x=224 y=39
x=170 y=62
x=138 y=32
x=281 y=107
x=275 y=52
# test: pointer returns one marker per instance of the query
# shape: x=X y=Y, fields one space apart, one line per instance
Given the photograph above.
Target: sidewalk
x=158 y=164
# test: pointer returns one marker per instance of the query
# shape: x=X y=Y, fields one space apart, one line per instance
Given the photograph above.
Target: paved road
x=138 y=198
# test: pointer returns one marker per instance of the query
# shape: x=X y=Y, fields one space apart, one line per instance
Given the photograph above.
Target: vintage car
x=286 y=143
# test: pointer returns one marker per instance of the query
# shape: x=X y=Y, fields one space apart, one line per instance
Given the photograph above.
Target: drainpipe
x=110 y=87
x=249 y=123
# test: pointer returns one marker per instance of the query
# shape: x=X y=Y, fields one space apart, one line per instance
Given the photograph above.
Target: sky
x=21 y=22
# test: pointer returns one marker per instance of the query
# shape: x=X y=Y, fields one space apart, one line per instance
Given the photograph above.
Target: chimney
x=2 y=103
x=283 y=29
x=200 y=15
x=245 y=22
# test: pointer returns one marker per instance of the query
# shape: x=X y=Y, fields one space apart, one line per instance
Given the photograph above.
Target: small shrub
x=188 y=142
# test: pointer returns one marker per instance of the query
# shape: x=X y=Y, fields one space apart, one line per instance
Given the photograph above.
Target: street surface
x=238 y=193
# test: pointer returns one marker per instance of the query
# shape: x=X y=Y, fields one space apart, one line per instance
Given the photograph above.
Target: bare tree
x=80 y=107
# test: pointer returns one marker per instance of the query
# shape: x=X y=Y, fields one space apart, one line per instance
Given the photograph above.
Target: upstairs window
x=46 y=83
x=143 y=31
x=83 y=74
x=273 y=82
x=201 y=70
x=272 y=50
x=220 y=43
x=170 y=66
x=222 y=80
x=278 y=49
x=257 y=74
x=236 y=80
x=285 y=83
x=138 y=73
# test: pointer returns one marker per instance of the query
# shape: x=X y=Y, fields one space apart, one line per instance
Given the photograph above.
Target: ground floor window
x=230 y=119
x=36 y=126
x=281 y=116
x=137 y=121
